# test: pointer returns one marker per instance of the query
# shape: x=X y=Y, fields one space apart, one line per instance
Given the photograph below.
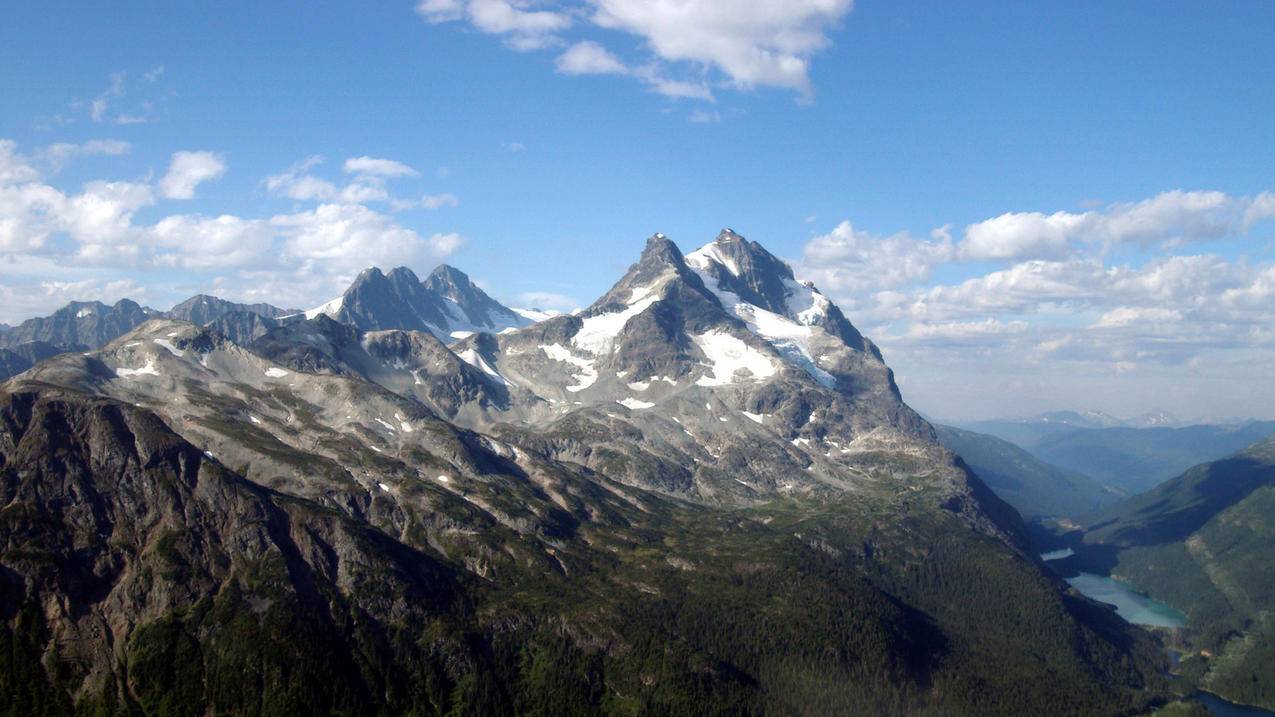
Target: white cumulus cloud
x=188 y=170
x=687 y=45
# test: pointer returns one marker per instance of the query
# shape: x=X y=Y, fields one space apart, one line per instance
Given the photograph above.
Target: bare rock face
x=79 y=323
x=203 y=309
x=468 y=305
x=447 y=304
x=130 y=543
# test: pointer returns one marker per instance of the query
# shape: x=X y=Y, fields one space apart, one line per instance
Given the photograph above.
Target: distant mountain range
x=447 y=304
x=1035 y=488
x=79 y=324
x=702 y=494
x=1028 y=431
x=1125 y=457
x=1137 y=459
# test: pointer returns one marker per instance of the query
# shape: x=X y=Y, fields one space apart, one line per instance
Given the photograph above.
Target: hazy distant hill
x=1138 y=459
x=1025 y=432
x=1035 y=488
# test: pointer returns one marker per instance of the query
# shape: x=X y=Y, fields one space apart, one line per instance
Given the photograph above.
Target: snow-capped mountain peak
x=447 y=304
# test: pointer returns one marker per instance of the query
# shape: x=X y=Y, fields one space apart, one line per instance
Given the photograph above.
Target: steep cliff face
x=79 y=323
x=152 y=569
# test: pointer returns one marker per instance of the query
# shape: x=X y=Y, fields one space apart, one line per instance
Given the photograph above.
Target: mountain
x=468 y=305
x=702 y=494
x=1026 y=432
x=1137 y=459
x=202 y=309
x=243 y=327
x=447 y=304
x=1035 y=488
x=89 y=324
x=79 y=323
x=1202 y=542
x=16 y=359
x=1155 y=419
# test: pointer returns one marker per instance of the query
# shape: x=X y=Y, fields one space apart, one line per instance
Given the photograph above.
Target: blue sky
x=536 y=144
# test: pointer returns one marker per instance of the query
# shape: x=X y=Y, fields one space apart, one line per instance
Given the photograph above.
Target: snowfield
x=727 y=356
x=588 y=374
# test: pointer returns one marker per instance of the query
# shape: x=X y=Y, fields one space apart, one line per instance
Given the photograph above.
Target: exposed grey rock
x=447 y=304
x=203 y=309
x=16 y=359
x=80 y=323
x=477 y=310
x=242 y=327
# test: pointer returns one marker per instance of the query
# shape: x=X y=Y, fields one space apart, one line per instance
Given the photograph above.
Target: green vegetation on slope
x=1203 y=543
x=246 y=601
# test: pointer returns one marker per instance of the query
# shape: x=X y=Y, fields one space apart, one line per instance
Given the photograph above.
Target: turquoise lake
x=1130 y=604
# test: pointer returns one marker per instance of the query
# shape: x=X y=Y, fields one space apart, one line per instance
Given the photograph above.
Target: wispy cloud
x=377 y=167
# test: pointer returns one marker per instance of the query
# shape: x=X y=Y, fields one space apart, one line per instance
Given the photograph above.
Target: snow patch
x=459 y=335
x=171 y=348
x=330 y=309
x=471 y=357
x=444 y=479
x=276 y=372
x=535 y=315
x=588 y=374
x=710 y=252
x=642 y=292
x=383 y=487
x=597 y=333
x=634 y=404
x=755 y=417
x=388 y=427
x=791 y=337
x=254 y=419
x=728 y=355
x=805 y=303
x=640 y=385
x=147 y=370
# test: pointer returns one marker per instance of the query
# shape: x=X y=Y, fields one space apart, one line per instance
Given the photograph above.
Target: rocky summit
x=704 y=494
